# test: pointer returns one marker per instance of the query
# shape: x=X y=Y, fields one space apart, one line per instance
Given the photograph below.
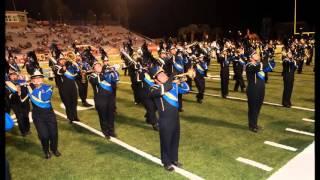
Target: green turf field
x=213 y=135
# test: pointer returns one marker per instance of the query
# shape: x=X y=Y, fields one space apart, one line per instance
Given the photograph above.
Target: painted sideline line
x=306 y=119
x=300 y=167
x=241 y=99
x=254 y=164
x=156 y=160
x=300 y=132
x=280 y=146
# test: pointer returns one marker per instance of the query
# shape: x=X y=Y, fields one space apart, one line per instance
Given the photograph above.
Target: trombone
x=128 y=58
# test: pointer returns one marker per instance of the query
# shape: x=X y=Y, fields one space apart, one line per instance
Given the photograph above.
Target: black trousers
x=189 y=82
x=239 y=82
x=288 y=80
x=82 y=90
x=125 y=71
x=151 y=109
x=255 y=94
x=22 y=115
x=266 y=77
x=180 y=101
x=309 y=59
x=200 y=84
x=46 y=125
x=224 y=75
x=300 y=66
x=59 y=86
x=135 y=89
x=70 y=96
x=104 y=104
x=169 y=129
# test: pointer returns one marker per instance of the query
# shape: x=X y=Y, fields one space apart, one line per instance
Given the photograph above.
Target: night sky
x=164 y=17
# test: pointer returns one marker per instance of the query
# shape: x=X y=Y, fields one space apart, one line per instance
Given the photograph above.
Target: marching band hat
x=154 y=71
x=163 y=51
x=96 y=62
x=172 y=47
x=11 y=71
x=37 y=74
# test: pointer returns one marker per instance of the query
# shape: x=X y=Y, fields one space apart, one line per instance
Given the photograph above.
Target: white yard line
x=308 y=120
x=302 y=108
x=299 y=132
x=156 y=160
x=254 y=164
x=300 y=167
x=280 y=146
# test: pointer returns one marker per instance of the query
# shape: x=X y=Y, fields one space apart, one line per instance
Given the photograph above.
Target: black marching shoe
x=155 y=127
x=253 y=129
x=76 y=119
x=286 y=105
x=47 y=155
x=177 y=163
x=113 y=134
x=56 y=153
x=86 y=104
x=199 y=101
x=168 y=167
x=107 y=137
x=25 y=134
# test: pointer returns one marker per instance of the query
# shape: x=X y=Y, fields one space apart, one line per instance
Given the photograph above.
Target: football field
x=214 y=136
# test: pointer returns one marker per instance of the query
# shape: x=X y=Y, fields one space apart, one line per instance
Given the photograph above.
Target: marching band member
x=256 y=88
x=68 y=73
x=201 y=69
x=289 y=67
x=103 y=53
x=16 y=93
x=32 y=63
x=238 y=64
x=179 y=62
x=13 y=65
x=148 y=100
x=106 y=67
x=104 y=99
x=55 y=51
x=43 y=116
x=224 y=59
x=132 y=71
x=166 y=93
x=267 y=54
x=82 y=80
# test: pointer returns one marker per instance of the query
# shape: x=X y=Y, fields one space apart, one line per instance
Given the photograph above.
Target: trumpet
x=184 y=76
x=112 y=68
x=190 y=45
